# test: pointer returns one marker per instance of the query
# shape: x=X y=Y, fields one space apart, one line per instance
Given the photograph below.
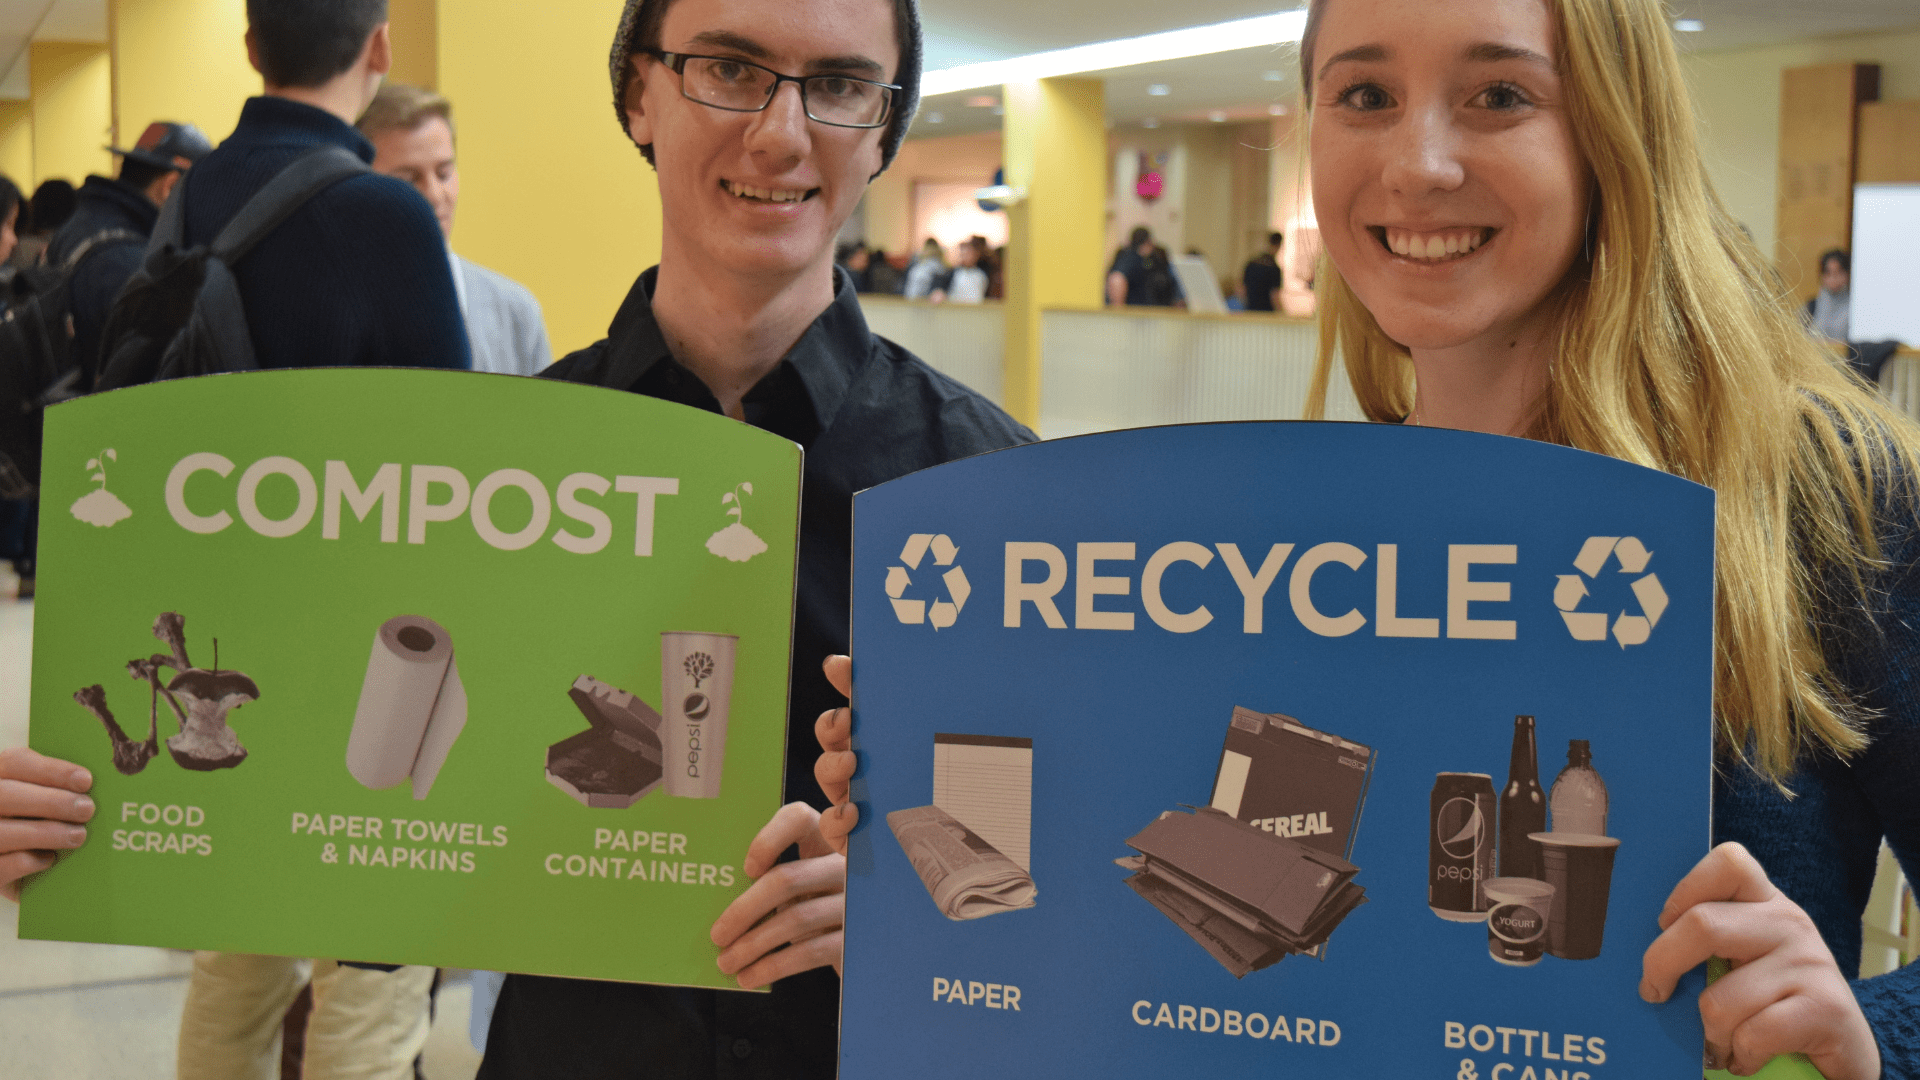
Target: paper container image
x=412 y=706
x=616 y=762
x=696 y=688
x=1580 y=869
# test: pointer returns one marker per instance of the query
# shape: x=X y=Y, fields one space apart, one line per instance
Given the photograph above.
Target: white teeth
x=1442 y=245
x=764 y=194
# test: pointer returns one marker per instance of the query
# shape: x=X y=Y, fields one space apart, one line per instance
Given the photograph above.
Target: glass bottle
x=1579 y=798
x=1523 y=807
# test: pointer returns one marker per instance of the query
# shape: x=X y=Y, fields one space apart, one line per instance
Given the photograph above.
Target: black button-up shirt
x=866 y=411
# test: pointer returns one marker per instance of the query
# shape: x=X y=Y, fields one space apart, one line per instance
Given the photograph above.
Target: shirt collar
x=828 y=356
x=278 y=121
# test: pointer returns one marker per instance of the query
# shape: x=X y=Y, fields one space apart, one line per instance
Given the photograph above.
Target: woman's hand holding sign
x=43 y=806
x=790 y=919
x=1784 y=994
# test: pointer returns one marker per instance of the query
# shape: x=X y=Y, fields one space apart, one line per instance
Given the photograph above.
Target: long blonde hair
x=1679 y=351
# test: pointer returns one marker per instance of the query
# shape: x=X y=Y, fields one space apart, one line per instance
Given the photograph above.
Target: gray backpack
x=180 y=314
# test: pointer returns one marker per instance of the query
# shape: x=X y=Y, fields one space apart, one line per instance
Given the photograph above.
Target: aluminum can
x=1460 y=846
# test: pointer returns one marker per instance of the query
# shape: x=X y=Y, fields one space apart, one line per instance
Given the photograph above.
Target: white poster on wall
x=1886 y=279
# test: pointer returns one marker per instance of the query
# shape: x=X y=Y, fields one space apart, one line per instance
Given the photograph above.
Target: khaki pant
x=366 y=1025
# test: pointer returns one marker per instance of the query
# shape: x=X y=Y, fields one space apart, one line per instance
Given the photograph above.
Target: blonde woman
x=1522 y=241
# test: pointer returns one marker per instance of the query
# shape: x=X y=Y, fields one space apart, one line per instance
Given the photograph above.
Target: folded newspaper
x=966 y=876
x=1247 y=896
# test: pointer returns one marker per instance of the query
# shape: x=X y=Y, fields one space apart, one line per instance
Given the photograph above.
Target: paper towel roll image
x=412 y=706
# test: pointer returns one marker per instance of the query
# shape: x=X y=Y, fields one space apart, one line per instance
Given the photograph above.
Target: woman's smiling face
x=1447 y=184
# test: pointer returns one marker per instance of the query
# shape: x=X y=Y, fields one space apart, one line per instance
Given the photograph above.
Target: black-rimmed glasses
x=739 y=86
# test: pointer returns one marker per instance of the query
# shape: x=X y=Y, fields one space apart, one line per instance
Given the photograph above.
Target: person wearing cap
x=105 y=240
x=765 y=122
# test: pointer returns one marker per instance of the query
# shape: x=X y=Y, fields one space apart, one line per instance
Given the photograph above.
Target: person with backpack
x=356 y=275
x=333 y=265
x=105 y=240
x=1142 y=274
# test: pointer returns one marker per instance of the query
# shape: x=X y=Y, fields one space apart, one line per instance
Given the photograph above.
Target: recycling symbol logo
x=1628 y=629
x=942 y=612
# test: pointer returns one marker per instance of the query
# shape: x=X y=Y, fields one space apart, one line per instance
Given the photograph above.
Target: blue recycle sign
x=1089 y=670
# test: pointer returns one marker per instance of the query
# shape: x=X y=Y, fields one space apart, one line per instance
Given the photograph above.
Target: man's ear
x=379 y=50
x=639 y=124
x=162 y=187
x=253 y=53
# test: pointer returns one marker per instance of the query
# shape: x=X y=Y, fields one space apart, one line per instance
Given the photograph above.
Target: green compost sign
x=415 y=667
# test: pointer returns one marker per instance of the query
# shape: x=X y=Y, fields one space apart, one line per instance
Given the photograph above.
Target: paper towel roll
x=412 y=706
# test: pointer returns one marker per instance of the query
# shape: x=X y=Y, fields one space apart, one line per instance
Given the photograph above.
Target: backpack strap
x=97 y=240
x=309 y=174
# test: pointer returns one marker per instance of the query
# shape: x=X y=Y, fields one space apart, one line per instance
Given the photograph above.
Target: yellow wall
x=1056 y=149
x=16 y=143
x=552 y=193
x=414 y=28
x=180 y=60
x=1737 y=92
x=72 y=98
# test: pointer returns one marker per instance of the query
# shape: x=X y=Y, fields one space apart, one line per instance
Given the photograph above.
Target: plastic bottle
x=1523 y=807
x=1579 y=799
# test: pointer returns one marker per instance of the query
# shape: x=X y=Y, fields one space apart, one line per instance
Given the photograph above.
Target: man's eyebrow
x=727 y=39
x=746 y=46
x=1491 y=52
x=1364 y=54
x=862 y=64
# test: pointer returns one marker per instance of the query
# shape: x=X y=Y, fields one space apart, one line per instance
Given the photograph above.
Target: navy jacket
x=103 y=207
x=357 y=277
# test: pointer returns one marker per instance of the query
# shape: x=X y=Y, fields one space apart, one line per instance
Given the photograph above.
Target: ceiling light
x=1150 y=122
x=1689 y=26
x=936 y=118
x=1100 y=56
x=1159 y=89
x=1217 y=116
x=1276 y=109
x=1274 y=76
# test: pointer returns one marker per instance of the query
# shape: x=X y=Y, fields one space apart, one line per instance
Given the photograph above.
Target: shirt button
x=742 y=1047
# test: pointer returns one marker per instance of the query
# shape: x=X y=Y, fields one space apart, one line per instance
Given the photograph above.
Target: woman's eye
x=1504 y=98
x=1367 y=97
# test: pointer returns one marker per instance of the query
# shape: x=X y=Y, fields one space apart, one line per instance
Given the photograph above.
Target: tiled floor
x=112 y=1012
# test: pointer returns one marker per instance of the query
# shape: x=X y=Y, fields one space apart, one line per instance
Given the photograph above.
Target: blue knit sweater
x=358 y=276
x=1820 y=847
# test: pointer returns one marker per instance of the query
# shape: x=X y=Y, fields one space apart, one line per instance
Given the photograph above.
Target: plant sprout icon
x=699 y=666
x=736 y=542
x=100 y=507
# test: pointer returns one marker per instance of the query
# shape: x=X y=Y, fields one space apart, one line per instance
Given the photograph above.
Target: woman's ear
x=639 y=124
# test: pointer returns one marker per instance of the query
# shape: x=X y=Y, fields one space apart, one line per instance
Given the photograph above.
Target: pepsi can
x=1460 y=846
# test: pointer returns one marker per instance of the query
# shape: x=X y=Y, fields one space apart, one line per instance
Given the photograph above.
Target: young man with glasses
x=745 y=315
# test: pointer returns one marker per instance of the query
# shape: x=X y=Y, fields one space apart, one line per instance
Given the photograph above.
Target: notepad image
x=986 y=783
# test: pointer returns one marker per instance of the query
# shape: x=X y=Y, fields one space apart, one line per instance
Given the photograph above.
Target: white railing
x=963 y=341
x=1113 y=369
x=1105 y=369
x=1900 y=380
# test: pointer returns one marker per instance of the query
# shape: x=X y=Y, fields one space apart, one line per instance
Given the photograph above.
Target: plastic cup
x=1579 y=866
x=696 y=687
x=1517 y=921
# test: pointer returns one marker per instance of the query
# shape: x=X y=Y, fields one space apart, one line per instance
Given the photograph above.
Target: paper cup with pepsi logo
x=696 y=685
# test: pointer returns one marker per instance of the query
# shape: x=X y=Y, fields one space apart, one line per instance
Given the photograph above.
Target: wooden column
x=1819 y=127
x=1889 y=143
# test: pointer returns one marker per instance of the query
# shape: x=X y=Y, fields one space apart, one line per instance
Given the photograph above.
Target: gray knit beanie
x=640 y=30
